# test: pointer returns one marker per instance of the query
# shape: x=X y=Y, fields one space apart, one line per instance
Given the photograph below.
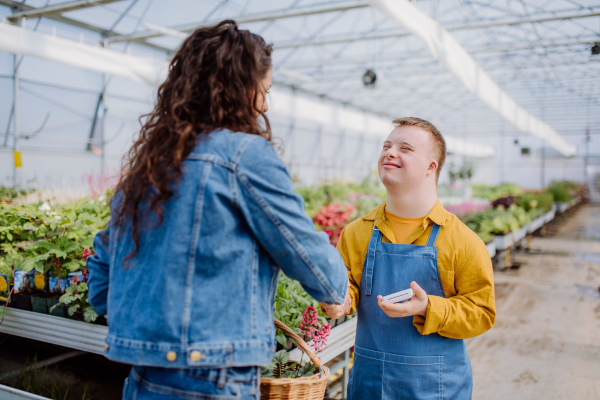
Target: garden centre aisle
x=546 y=341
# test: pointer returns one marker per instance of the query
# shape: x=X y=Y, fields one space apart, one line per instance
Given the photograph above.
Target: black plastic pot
x=39 y=304
x=22 y=301
x=59 y=311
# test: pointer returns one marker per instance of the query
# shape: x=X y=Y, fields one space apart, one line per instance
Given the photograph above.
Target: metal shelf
x=88 y=337
x=57 y=330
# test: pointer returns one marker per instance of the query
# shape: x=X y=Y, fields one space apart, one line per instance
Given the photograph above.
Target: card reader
x=399 y=297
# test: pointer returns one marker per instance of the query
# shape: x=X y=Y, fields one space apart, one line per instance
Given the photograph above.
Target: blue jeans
x=147 y=383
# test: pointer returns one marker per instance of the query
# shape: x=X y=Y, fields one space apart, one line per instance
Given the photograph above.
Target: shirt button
x=171 y=356
x=196 y=356
x=105 y=346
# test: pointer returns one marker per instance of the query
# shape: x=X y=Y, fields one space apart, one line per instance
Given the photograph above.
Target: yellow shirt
x=464 y=264
x=403 y=227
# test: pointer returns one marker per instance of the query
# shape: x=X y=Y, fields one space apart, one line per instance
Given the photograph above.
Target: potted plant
x=75 y=300
x=300 y=380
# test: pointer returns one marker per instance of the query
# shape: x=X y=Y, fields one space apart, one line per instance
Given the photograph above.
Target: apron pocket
x=365 y=378
x=417 y=378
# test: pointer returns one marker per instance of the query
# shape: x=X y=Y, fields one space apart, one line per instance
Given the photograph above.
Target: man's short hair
x=438 y=140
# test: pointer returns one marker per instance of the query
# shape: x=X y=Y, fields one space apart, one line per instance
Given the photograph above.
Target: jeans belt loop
x=222 y=378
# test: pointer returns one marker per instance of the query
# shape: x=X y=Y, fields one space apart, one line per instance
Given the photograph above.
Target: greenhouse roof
x=539 y=53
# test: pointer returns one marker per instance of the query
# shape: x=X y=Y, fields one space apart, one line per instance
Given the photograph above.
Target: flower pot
x=22 y=301
x=340 y=320
x=59 y=311
x=101 y=320
x=39 y=304
x=331 y=322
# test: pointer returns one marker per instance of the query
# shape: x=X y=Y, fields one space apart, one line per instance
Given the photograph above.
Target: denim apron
x=392 y=360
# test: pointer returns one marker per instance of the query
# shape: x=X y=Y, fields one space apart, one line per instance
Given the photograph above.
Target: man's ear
x=433 y=166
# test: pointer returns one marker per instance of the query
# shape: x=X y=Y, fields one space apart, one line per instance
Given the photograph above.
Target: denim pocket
x=417 y=378
x=125 y=386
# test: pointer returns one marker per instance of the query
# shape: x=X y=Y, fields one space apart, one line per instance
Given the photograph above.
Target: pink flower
x=86 y=254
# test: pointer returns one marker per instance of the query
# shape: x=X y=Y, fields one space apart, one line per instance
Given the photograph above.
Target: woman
x=203 y=219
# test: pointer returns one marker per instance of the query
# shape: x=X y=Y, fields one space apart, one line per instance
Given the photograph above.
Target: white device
x=399 y=297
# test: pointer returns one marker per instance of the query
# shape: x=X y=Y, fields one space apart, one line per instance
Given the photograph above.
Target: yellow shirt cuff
x=436 y=311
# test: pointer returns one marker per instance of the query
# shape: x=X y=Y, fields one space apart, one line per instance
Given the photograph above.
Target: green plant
x=282 y=367
x=76 y=299
x=561 y=190
x=543 y=201
x=495 y=192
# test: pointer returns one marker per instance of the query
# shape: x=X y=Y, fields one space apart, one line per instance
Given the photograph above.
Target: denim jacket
x=200 y=290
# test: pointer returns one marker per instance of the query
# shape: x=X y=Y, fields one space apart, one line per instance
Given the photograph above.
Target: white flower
x=101 y=198
x=58 y=217
x=45 y=206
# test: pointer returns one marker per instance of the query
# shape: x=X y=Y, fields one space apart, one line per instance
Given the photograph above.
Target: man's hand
x=335 y=311
x=417 y=305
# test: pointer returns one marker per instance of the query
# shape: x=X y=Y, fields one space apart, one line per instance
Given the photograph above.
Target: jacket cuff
x=436 y=310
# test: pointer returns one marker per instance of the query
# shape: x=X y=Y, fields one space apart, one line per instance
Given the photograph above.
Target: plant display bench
x=503 y=244
x=56 y=330
x=90 y=338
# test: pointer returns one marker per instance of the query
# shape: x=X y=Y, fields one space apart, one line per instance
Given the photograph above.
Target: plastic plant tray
x=536 y=224
x=562 y=207
x=550 y=215
x=503 y=242
x=491 y=247
x=520 y=234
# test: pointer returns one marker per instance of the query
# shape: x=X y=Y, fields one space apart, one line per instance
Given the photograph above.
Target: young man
x=414 y=350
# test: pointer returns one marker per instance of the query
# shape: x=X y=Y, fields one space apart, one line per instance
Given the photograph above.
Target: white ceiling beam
x=58 y=9
x=457 y=60
x=17 y=40
x=354 y=37
x=269 y=16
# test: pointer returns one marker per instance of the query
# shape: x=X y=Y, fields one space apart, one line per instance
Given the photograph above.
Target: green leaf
x=9 y=236
x=72 y=309
x=29 y=264
x=39 y=266
x=267 y=372
x=89 y=315
x=46 y=245
x=307 y=369
x=282 y=340
x=71 y=247
x=72 y=266
x=281 y=357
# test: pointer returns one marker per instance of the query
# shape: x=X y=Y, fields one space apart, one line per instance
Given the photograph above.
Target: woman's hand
x=335 y=311
x=417 y=305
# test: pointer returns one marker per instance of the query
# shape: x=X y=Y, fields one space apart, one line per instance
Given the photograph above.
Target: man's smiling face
x=406 y=157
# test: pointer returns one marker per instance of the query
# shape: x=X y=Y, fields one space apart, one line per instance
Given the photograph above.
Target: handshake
x=338 y=310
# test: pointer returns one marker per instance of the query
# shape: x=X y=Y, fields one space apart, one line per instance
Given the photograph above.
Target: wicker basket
x=304 y=388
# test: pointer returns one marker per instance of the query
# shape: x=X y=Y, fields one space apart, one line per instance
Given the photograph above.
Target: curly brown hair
x=213 y=82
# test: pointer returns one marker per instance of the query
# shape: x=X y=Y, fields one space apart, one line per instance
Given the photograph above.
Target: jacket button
x=196 y=356
x=171 y=356
x=105 y=346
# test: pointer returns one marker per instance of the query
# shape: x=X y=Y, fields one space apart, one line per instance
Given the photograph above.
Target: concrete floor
x=546 y=340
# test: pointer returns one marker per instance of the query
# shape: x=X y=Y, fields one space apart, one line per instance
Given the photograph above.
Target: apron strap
x=370 y=260
x=435 y=230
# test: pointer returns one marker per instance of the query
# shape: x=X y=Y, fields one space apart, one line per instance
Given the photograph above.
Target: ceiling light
x=369 y=78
